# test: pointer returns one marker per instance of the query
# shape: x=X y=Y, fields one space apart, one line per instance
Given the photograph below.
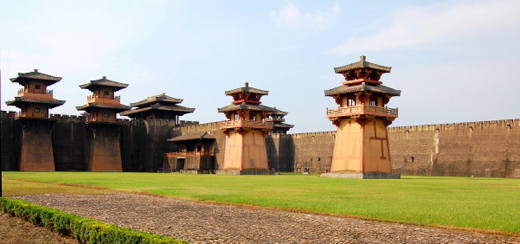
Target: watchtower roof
x=361 y=64
x=344 y=89
x=161 y=98
x=246 y=89
x=103 y=82
x=244 y=106
x=24 y=78
x=278 y=112
x=172 y=108
x=89 y=106
x=19 y=101
x=205 y=135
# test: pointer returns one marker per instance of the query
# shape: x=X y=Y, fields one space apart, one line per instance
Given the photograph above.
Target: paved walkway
x=215 y=223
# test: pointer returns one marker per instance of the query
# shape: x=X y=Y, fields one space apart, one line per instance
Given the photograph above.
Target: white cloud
x=290 y=15
x=426 y=24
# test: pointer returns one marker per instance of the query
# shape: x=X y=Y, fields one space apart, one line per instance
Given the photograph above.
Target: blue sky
x=455 y=61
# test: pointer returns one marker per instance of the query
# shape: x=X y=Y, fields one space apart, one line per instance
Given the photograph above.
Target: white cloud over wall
x=420 y=25
x=290 y=15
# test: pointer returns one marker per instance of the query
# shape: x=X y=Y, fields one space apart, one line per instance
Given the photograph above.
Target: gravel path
x=214 y=223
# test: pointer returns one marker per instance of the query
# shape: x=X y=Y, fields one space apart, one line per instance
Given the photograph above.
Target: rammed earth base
x=244 y=172
x=362 y=175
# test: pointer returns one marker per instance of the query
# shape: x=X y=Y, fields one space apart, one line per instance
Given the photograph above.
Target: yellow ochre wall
x=347 y=149
x=233 y=151
x=352 y=140
x=241 y=151
x=376 y=155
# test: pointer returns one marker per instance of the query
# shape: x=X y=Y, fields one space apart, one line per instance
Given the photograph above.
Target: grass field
x=480 y=203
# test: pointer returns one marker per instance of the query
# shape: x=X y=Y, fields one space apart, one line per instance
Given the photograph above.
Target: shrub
x=84 y=229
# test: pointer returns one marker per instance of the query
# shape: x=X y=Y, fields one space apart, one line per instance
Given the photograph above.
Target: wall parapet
x=506 y=123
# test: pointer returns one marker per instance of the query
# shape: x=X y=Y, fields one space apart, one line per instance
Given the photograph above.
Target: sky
x=454 y=61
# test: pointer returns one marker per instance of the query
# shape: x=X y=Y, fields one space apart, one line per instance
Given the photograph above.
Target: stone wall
x=68 y=142
x=488 y=148
x=11 y=142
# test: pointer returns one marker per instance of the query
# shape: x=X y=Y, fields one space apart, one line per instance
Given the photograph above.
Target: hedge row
x=86 y=230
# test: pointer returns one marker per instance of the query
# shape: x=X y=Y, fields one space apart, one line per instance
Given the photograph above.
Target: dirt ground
x=15 y=230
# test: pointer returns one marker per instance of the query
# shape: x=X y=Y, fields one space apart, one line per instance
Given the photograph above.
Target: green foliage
x=482 y=203
x=86 y=230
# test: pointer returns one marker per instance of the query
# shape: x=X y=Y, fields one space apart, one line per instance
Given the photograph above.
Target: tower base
x=244 y=172
x=362 y=175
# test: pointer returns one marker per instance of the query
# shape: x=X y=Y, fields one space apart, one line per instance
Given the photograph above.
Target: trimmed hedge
x=86 y=230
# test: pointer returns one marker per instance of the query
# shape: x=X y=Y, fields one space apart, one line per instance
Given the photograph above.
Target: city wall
x=487 y=148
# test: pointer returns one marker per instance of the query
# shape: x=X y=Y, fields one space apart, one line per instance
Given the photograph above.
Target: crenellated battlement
x=314 y=134
x=504 y=124
x=194 y=126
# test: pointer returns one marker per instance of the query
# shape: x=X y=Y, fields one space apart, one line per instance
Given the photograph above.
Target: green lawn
x=482 y=203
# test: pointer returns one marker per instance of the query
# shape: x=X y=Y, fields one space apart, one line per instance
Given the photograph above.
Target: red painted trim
x=359 y=81
x=362 y=161
x=388 y=146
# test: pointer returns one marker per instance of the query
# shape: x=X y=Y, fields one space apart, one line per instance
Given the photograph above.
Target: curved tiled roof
x=174 y=108
x=245 y=106
x=247 y=89
x=104 y=82
x=362 y=64
x=35 y=75
x=194 y=136
x=21 y=100
x=278 y=112
x=345 y=89
x=283 y=125
x=162 y=98
x=89 y=106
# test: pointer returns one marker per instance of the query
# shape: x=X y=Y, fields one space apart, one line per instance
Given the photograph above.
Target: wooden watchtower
x=103 y=148
x=245 y=151
x=361 y=149
x=277 y=116
x=34 y=101
x=158 y=107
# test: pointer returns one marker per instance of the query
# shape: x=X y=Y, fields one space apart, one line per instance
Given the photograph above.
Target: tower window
x=37 y=110
x=36 y=86
x=372 y=102
x=106 y=115
x=236 y=117
x=105 y=93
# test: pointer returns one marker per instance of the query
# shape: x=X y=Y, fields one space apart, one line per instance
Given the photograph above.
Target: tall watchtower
x=34 y=101
x=361 y=149
x=245 y=151
x=103 y=150
x=277 y=116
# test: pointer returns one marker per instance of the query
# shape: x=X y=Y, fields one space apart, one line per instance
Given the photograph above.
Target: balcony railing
x=186 y=154
x=19 y=115
x=90 y=97
x=274 y=119
x=360 y=109
x=32 y=90
x=246 y=124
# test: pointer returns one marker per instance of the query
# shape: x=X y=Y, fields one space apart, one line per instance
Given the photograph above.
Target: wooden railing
x=185 y=154
x=360 y=109
x=32 y=90
x=246 y=124
x=18 y=115
x=90 y=97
